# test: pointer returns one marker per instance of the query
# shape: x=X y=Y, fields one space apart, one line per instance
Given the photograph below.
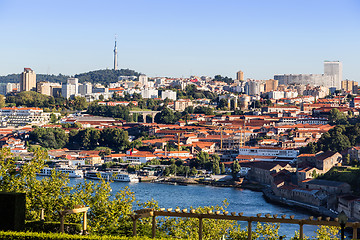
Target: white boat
x=72 y=173
x=95 y=175
x=46 y=171
x=125 y=177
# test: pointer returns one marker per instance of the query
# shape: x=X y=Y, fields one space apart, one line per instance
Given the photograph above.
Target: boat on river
x=125 y=177
x=72 y=172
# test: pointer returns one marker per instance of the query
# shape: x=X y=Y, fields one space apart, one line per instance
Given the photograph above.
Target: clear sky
x=181 y=37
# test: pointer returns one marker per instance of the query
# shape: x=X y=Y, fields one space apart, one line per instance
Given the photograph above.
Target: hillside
x=99 y=76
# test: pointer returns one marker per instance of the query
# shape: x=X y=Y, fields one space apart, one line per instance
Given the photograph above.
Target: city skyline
x=181 y=39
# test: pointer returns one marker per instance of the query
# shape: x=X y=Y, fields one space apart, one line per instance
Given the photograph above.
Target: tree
x=222 y=168
x=2 y=101
x=165 y=116
x=193 y=171
x=337 y=117
x=235 y=169
x=216 y=167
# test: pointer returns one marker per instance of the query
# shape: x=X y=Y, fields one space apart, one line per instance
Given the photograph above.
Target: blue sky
x=181 y=37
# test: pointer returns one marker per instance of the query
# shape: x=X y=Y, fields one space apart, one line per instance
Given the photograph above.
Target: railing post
x=134 y=226
x=249 y=230
x=301 y=231
x=355 y=231
x=200 y=228
x=42 y=218
x=153 y=226
x=84 y=223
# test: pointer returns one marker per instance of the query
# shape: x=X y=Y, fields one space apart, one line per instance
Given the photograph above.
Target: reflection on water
x=240 y=200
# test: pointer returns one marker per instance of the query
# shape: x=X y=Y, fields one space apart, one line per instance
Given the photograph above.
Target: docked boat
x=96 y=175
x=72 y=173
x=46 y=171
x=125 y=177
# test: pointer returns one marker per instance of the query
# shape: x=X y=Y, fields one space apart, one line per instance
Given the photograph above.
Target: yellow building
x=349 y=86
x=240 y=76
x=271 y=85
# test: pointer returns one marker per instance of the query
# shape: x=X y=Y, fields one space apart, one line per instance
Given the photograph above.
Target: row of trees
x=90 y=138
x=34 y=99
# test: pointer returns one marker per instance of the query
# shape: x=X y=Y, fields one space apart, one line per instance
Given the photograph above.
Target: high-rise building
x=115 y=57
x=47 y=87
x=143 y=79
x=240 y=76
x=85 y=88
x=334 y=68
x=28 y=80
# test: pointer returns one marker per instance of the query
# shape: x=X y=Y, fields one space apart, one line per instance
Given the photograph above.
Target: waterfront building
x=28 y=80
x=271 y=151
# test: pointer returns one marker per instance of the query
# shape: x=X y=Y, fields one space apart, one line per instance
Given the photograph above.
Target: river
x=240 y=200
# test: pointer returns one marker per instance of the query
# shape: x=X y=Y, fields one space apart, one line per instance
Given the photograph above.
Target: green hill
x=105 y=76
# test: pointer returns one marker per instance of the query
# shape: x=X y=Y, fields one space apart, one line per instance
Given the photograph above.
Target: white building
x=168 y=94
x=71 y=88
x=23 y=116
x=278 y=152
x=276 y=94
x=149 y=93
x=143 y=79
x=85 y=88
x=332 y=76
x=334 y=69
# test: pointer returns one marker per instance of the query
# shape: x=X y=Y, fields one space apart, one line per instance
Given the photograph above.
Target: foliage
x=14 y=78
x=350 y=175
x=337 y=117
x=336 y=139
x=223 y=79
x=191 y=92
x=41 y=226
x=31 y=99
x=235 y=168
x=89 y=138
x=49 y=137
x=61 y=236
x=2 y=101
x=105 y=76
x=121 y=112
x=327 y=233
x=166 y=116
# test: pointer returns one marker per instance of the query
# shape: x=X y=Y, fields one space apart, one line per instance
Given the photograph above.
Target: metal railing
x=268 y=218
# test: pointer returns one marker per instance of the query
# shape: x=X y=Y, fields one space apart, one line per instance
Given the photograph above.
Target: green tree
x=222 y=168
x=235 y=169
x=337 y=117
x=2 y=101
x=216 y=167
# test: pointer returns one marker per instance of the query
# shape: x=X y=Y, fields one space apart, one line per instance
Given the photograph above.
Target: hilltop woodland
x=104 y=76
x=109 y=212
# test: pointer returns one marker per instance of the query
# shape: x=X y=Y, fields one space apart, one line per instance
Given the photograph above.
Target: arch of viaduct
x=146 y=113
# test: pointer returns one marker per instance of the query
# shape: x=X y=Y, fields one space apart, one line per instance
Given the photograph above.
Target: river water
x=240 y=200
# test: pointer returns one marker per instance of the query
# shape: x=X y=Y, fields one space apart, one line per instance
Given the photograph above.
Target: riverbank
x=244 y=184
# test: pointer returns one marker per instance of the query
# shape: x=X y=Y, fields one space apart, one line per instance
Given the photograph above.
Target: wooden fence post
x=200 y=228
x=134 y=226
x=42 y=218
x=84 y=223
x=355 y=228
x=249 y=230
x=301 y=231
